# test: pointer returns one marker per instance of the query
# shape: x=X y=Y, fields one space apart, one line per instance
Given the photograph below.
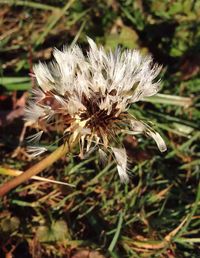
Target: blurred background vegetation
x=157 y=213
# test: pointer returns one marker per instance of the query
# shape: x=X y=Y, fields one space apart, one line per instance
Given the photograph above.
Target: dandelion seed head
x=87 y=97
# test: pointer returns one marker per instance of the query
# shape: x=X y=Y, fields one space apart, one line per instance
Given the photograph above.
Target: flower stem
x=37 y=168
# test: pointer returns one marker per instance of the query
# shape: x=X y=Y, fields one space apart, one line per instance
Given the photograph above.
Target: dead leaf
x=190 y=66
x=87 y=254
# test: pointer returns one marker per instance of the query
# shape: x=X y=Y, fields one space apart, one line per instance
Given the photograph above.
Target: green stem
x=29 y=4
x=170 y=100
x=37 y=168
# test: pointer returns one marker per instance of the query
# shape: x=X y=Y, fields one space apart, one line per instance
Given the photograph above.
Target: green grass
x=157 y=213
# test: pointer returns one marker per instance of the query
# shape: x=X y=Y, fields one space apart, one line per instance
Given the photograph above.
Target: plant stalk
x=37 y=168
